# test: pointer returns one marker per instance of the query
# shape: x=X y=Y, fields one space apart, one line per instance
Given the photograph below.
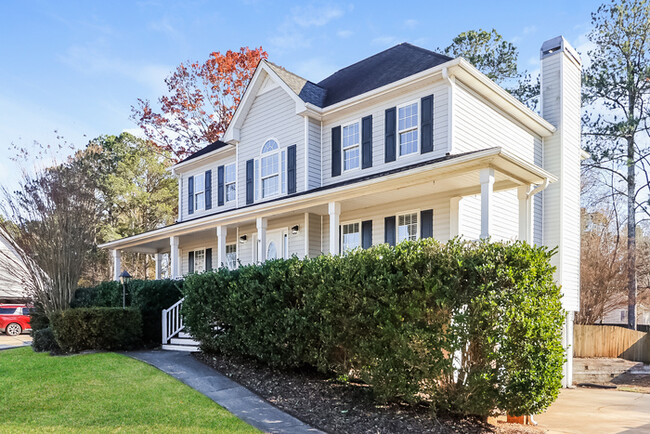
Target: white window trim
x=343 y=148
x=236 y=265
x=419 y=127
x=279 y=173
x=225 y=184
x=349 y=222
x=197 y=192
x=417 y=230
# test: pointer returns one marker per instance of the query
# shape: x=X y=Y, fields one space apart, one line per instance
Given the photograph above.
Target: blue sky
x=78 y=67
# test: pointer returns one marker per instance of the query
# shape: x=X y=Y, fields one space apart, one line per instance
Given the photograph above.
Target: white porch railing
x=172 y=321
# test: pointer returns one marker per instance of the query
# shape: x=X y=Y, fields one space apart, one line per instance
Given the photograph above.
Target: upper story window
x=351 y=237
x=229 y=180
x=199 y=192
x=407 y=227
x=270 y=166
x=407 y=128
x=350 y=137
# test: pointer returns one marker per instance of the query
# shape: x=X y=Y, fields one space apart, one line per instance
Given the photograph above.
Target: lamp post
x=124 y=278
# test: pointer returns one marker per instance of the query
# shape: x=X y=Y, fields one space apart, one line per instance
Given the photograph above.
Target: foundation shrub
x=467 y=327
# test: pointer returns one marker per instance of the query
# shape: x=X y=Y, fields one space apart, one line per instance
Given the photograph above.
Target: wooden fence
x=611 y=341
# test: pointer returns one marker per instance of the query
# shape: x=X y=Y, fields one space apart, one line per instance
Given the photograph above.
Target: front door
x=277 y=244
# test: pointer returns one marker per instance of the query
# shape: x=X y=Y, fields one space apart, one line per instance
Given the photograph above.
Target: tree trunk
x=631 y=236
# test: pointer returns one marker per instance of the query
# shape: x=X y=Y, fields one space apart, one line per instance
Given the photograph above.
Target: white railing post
x=172 y=321
x=164 y=326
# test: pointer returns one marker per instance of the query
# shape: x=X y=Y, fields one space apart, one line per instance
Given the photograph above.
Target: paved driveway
x=14 y=341
x=583 y=410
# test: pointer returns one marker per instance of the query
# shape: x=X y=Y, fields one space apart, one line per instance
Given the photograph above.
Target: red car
x=14 y=319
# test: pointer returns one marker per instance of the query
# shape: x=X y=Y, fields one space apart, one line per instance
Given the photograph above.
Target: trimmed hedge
x=97 y=328
x=148 y=296
x=469 y=327
x=43 y=340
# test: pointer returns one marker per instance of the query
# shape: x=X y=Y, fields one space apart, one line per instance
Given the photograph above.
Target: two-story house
x=405 y=144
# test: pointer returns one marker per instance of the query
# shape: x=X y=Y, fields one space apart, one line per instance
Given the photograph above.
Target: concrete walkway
x=235 y=398
x=583 y=410
x=7 y=342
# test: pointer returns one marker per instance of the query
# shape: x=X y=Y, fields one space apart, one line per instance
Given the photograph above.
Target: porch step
x=184 y=341
x=182 y=334
x=189 y=348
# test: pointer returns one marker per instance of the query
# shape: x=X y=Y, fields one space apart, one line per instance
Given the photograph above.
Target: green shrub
x=38 y=320
x=44 y=341
x=470 y=327
x=148 y=296
x=97 y=328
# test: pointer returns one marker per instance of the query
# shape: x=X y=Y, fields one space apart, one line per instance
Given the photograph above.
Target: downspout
x=538 y=189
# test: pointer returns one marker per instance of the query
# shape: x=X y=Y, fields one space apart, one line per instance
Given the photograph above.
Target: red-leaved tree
x=201 y=101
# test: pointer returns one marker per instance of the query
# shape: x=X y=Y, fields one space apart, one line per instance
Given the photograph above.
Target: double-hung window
x=407 y=128
x=231 y=256
x=199 y=192
x=199 y=261
x=351 y=148
x=350 y=237
x=270 y=167
x=407 y=227
x=229 y=181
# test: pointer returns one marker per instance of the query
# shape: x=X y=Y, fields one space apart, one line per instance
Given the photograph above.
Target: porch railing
x=172 y=321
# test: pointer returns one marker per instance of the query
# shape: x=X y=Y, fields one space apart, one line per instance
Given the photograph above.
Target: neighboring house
x=405 y=144
x=11 y=288
x=618 y=315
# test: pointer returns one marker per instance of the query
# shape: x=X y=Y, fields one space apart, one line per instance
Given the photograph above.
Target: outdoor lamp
x=243 y=239
x=124 y=278
x=294 y=230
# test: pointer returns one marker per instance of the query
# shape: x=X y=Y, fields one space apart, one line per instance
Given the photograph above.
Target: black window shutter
x=190 y=195
x=336 y=151
x=366 y=234
x=426 y=124
x=390 y=125
x=366 y=142
x=426 y=223
x=291 y=169
x=220 y=185
x=390 y=235
x=208 y=259
x=190 y=262
x=249 y=181
x=208 y=189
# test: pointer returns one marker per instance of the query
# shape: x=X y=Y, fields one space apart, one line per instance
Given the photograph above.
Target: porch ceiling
x=449 y=177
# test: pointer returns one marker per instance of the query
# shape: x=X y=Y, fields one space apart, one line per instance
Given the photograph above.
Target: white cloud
x=344 y=34
x=411 y=23
x=385 y=40
x=312 y=15
x=529 y=29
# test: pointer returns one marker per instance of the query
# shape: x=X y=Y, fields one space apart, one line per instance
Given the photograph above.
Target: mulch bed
x=333 y=406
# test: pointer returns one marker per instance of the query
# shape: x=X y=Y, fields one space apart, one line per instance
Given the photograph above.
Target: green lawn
x=101 y=392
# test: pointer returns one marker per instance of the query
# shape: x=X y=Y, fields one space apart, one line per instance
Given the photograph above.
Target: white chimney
x=560 y=103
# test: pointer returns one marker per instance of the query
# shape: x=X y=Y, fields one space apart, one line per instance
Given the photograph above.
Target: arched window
x=270 y=163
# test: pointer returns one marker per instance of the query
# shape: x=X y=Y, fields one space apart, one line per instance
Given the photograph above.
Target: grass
x=103 y=392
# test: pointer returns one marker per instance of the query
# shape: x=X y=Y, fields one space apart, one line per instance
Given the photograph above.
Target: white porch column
x=117 y=264
x=525 y=214
x=158 y=260
x=222 y=231
x=174 y=258
x=487 y=191
x=454 y=217
x=334 y=209
x=261 y=239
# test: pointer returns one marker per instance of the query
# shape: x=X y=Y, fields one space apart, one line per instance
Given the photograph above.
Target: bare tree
x=50 y=223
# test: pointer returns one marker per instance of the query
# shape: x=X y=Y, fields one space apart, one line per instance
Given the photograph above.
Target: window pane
x=351 y=158
x=270 y=186
x=408 y=117
x=407 y=227
x=199 y=261
x=230 y=173
x=231 y=256
x=231 y=192
x=272 y=251
x=200 y=201
x=269 y=146
x=351 y=135
x=270 y=165
x=199 y=183
x=351 y=237
x=408 y=142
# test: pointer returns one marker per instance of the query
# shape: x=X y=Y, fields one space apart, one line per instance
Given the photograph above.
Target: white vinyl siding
x=314 y=154
x=377 y=110
x=505 y=216
x=479 y=125
x=272 y=114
